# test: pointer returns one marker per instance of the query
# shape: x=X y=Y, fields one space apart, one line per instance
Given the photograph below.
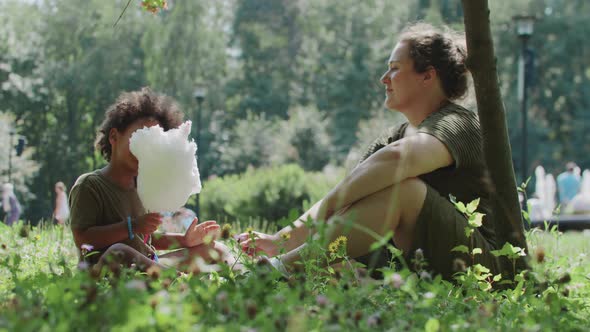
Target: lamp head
x=524 y=25
x=200 y=93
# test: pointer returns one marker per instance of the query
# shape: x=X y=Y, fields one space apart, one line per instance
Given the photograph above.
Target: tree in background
x=61 y=70
x=186 y=46
x=22 y=168
x=267 y=37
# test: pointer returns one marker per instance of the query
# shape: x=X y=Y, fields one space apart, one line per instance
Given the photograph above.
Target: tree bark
x=481 y=61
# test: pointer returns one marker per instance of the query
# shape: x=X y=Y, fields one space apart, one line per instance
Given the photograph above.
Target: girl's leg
x=216 y=252
x=120 y=253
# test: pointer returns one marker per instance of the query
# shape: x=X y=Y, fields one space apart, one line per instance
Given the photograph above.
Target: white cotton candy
x=168 y=172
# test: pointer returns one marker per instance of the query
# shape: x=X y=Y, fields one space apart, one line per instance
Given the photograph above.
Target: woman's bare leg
x=395 y=208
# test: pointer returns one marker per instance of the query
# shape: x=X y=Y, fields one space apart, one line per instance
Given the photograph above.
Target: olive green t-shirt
x=97 y=201
x=467 y=179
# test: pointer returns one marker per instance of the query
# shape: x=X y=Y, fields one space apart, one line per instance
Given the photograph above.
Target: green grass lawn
x=43 y=289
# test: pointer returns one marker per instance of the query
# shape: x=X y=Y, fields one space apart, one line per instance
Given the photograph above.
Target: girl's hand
x=148 y=223
x=196 y=233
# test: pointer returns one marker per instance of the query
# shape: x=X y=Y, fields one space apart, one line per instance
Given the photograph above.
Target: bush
x=250 y=145
x=266 y=193
x=303 y=139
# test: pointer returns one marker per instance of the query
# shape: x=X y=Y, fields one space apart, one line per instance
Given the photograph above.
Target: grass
x=43 y=289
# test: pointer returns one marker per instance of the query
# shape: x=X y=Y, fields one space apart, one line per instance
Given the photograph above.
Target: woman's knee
x=413 y=185
x=412 y=193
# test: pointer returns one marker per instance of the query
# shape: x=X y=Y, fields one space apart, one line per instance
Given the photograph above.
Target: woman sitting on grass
x=403 y=182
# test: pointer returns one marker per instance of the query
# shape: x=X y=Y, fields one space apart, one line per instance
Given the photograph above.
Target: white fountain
x=537 y=204
x=580 y=204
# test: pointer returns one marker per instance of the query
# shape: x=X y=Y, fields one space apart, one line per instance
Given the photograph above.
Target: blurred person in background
x=568 y=184
x=61 y=213
x=10 y=204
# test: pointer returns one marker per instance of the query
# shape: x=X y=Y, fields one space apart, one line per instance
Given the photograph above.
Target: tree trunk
x=481 y=62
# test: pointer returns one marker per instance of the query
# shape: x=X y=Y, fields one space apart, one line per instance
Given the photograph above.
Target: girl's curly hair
x=131 y=106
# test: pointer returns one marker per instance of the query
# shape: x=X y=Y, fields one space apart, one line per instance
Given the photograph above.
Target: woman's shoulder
x=452 y=115
x=457 y=110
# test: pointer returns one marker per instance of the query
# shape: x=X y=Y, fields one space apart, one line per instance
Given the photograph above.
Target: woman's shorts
x=439 y=228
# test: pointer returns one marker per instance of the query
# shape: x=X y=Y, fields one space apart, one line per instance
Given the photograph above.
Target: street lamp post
x=10 y=148
x=524 y=30
x=200 y=93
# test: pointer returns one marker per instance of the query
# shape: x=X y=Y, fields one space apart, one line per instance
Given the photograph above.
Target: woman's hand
x=195 y=234
x=253 y=243
x=148 y=223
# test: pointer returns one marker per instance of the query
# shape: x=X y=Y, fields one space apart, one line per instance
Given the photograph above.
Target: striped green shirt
x=467 y=179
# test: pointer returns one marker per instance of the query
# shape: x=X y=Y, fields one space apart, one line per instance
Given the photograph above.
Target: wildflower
x=251 y=309
x=357 y=316
x=166 y=283
x=374 y=320
x=83 y=266
x=222 y=297
x=226 y=231
x=153 y=6
x=335 y=246
x=429 y=295
x=459 y=265
x=321 y=300
x=280 y=324
x=154 y=302
x=564 y=279
x=540 y=254
x=86 y=247
x=395 y=280
x=136 y=284
x=37 y=237
x=425 y=276
x=153 y=272
x=23 y=231
x=419 y=254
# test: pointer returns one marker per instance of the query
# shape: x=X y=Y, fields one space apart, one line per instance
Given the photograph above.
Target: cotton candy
x=168 y=172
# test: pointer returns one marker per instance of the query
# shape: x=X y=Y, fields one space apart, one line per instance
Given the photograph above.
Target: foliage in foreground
x=43 y=289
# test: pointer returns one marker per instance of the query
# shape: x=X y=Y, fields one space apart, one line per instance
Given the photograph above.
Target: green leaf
x=468 y=231
x=461 y=207
x=382 y=241
x=525 y=215
x=498 y=277
x=471 y=207
x=461 y=248
x=509 y=251
x=475 y=220
x=476 y=251
x=432 y=325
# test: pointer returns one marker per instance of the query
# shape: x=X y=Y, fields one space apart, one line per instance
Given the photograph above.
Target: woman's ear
x=429 y=75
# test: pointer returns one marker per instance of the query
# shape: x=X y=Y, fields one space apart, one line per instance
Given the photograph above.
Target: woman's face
x=120 y=143
x=403 y=85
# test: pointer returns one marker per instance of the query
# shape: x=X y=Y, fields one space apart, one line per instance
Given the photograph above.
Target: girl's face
x=120 y=143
